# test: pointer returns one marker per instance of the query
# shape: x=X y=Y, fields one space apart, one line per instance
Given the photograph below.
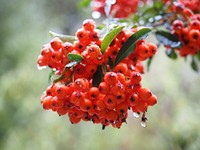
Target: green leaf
x=136 y=18
x=64 y=38
x=171 y=53
x=168 y=39
x=194 y=65
x=51 y=75
x=67 y=67
x=158 y=5
x=74 y=60
x=101 y=26
x=74 y=57
x=149 y=11
x=110 y=62
x=149 y=63
x=109 y=38
x=198 y=55
x=85 y=3
x=97 y=77
x=129 y=46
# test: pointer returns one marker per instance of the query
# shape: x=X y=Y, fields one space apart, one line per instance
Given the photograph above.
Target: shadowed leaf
x=168 y=39
x=129 y=46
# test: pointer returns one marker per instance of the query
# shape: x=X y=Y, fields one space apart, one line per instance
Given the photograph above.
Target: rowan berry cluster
x=119 y=90
x=187 y=27
x=120 y=9
x=54 y=55
x=192 y=5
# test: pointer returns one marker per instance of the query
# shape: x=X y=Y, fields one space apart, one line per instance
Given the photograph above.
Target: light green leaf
x=74 y=57
x=110 y=37
x=64 y=38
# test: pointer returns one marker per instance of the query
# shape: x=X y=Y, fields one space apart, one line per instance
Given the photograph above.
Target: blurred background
x=174 y=122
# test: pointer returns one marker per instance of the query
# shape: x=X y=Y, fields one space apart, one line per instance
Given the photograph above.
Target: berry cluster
x=119 y=90
x=187 y=28
x=54 y=55
x=194 y=5
x=120 y=9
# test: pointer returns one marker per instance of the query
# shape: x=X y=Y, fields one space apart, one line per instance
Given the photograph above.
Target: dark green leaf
x=129 y=46
x=62 y=76
x=110 y=62
x=109 y=38
x=194 y=65
x=198 y=55
x=85 y=3
x=168 y=39
x=51 y=75
x=171 y=53
x=149 y=63
x=74 y=60
x=74 y=57
x=97 y=77
x=64 y=38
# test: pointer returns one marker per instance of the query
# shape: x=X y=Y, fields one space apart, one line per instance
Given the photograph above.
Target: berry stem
x=62 y=76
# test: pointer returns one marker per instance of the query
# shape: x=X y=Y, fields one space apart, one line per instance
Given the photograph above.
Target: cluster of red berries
x=142 y=52
x=190 y=4
x=54 y=55
x=194 y=5
x=120 y=9
x=119 y=90
x=187 y=28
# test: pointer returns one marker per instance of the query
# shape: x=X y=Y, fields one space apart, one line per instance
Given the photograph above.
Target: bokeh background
x=174 y=123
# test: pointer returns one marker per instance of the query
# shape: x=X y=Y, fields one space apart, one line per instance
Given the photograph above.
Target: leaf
x=67 y=67
x=64 y=38
x=51 y=75
x=168 y=39
x=149 y=63
x=136 y=18
x=74 y=60
x=100 y=27
x=110 y=62
x=129 y=46
x=97 y=77
x=74 y=57
x=171 y=53
x=109 y=38
x=194 y=65
x=85 y=3
x=198 y=55
x=158 y=5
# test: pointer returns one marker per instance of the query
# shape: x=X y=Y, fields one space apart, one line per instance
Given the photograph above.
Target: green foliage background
x=173 y=123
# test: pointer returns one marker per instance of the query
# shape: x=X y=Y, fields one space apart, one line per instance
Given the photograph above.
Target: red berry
x=135 y=77
x=56 y=44
x=144 y=93
x=152 y=100
x=85 y=104
x=89 y=24
x=111 y=78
